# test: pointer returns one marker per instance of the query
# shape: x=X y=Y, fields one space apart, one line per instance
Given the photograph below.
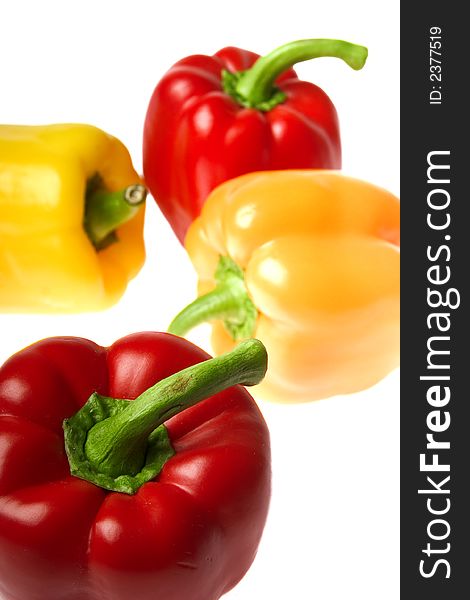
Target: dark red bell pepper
x=212 y=118
x=190 y=497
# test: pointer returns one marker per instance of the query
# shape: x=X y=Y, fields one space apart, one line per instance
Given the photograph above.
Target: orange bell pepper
x=308 y=262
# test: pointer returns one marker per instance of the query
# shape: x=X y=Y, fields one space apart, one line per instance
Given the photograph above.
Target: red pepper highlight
x=213 y=118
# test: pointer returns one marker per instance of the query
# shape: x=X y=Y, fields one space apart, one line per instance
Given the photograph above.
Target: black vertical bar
x=434 y=117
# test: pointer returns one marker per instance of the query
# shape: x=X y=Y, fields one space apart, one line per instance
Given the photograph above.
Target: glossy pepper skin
x=47 y=260
x=189 y=534
x=317 y=255
x=213 y=118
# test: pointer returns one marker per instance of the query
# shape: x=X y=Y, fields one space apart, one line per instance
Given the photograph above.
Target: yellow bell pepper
x=71 y=218
x=308 y=262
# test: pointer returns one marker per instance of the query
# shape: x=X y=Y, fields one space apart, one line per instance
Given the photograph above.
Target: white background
x=333 y=527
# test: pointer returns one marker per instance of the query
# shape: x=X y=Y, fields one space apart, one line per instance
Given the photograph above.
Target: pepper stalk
x=120 y=444
x=105 y=211
x=229 y=302
x=254 y=88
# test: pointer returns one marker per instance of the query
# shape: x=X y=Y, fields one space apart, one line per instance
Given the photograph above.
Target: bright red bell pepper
x=212 y=118
x=190 y=500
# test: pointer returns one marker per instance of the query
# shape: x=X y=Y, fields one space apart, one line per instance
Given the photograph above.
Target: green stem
x=105 y=211
x=255 y=87
x=228 y=301
x=115 y=449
